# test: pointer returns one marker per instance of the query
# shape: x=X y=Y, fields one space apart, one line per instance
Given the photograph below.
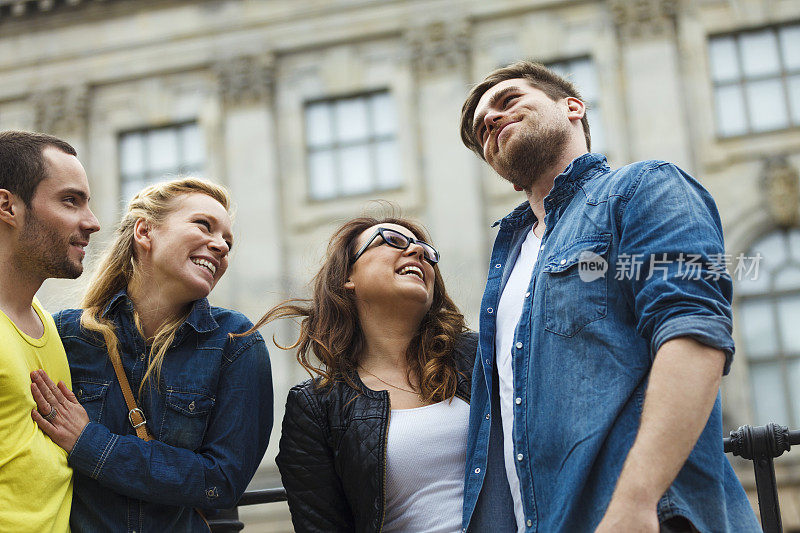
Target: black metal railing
x=227 y=521
x=760 y=444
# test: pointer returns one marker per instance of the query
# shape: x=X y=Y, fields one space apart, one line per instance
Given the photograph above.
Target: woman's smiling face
x=385 y=273
x=189 y=250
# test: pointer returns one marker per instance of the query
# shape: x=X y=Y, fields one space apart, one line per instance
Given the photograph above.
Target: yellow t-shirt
x=35 y=480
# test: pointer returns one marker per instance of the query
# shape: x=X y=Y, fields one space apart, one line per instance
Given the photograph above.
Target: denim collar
x=199 y=319
x=579 y=171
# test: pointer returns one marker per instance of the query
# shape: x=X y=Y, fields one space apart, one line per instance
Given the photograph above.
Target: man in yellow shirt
x=45 y=224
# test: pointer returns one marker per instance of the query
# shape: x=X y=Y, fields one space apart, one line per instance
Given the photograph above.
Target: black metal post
x=227 y=520
x=761 y=444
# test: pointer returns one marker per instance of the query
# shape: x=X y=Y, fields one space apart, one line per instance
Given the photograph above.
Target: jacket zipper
x=383 y=481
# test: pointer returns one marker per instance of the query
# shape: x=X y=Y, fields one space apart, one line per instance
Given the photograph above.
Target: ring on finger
x=51 y=415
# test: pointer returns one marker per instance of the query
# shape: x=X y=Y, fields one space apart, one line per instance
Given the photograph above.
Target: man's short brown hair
x=22 y=164
x=539 y=76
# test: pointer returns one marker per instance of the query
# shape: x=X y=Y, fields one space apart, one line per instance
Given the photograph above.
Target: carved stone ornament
x=62 y=109
x=644 y=18
x=781 y=186
x=246 y=80
x=439 y=46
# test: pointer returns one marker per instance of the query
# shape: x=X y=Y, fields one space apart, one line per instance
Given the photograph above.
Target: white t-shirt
x=509 y=311
x=426 y=452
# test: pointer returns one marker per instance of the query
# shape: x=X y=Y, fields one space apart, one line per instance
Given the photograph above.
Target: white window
x=352 y=146
x=768 y=314
x=581 y=72
x=148 y=156
x=756 y=77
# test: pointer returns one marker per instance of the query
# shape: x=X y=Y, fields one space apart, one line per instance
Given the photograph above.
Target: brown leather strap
x=135 y=415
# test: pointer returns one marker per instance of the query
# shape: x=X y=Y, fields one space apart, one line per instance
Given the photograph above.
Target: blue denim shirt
x=585 y=343
x=212 y=417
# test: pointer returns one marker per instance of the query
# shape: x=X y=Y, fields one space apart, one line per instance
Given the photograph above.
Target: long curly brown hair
x=330 y=327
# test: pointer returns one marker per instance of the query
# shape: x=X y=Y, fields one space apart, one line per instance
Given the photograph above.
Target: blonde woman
x=204 y=396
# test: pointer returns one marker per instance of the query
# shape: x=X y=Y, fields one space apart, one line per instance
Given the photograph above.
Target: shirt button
x=518 y=345
x=529 y=523
x=477 y=470
x=488 y=362
x=80 y=393
x=490 y=310
x=498 y=265
x=563 y=261
x=520 y=457
x=527 y=295
x=518 y=401
x=487 y=416
x=141 y=357
x=191 y=406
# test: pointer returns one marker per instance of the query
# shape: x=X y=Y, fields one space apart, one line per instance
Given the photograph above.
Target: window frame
x=742 y=80
x=148 y=176
x=336 y=145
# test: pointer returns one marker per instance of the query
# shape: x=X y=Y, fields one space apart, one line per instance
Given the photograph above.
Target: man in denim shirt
x=605 y=329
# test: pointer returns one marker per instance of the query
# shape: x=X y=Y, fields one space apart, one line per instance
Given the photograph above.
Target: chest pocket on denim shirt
x=576 y=284
x=92 y=396
x=185 y=418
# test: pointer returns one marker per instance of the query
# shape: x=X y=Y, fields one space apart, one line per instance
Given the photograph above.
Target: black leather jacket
x=332 y=455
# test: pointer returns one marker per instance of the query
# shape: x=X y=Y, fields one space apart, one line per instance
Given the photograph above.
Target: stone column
x=655 y=108
x=450 y=174
x=251 y=172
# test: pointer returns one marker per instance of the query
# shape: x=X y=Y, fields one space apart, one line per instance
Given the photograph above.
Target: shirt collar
x=581 y=170
x=200 y=318
x=577 y=172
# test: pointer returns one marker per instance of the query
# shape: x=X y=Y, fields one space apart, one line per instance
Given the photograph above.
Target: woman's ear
x=141 y=234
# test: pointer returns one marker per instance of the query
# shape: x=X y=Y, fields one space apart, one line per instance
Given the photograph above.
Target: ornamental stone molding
x=781 y=189
x=636 y=19
x=246 y=80
x=439 y=46
x=61 y=109
x=17 y=9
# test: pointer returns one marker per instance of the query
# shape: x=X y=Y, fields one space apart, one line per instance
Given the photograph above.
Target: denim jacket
x=211 y=417
x=587 y=337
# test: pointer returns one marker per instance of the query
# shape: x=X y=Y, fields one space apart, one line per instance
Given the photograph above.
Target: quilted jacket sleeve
x=305 y=459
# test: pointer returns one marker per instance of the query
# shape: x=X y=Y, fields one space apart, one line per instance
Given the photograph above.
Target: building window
x=148 y=156
x=768 y=314
x=581 y=72
x=352 y=146
x=756 y=76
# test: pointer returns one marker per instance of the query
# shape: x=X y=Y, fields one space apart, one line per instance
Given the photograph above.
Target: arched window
x=768 y=318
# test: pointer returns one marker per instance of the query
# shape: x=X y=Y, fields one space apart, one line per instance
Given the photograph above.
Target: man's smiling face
x=522 y=132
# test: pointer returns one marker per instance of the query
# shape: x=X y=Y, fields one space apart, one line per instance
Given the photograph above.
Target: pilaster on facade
x=637 y=19
x=781 y=189
x=62 y=109
x=246 y=80
x=439 y=46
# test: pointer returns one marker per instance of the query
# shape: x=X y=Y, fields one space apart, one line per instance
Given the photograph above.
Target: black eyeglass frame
x=409 y=241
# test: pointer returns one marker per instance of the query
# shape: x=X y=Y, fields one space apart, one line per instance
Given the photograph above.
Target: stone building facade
x=310 y=110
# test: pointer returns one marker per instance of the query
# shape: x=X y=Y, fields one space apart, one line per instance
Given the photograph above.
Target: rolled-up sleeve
x=671 y=223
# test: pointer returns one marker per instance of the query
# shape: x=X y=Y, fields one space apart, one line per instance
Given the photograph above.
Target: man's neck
x=17 y=289
x=544 y=184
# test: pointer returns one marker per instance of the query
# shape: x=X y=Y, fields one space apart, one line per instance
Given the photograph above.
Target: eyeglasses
x=395 y=239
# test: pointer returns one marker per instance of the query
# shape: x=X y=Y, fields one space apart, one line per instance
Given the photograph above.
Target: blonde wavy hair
x=118 y=266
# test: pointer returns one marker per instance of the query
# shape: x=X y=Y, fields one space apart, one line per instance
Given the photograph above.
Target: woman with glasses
x=376 y=441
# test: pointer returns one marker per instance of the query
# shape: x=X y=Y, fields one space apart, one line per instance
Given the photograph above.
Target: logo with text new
x=591 y=266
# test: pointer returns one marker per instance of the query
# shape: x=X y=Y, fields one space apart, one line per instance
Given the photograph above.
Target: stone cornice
x=246 y=80
x=635 y=19
x=61 y=109
x=439 y=46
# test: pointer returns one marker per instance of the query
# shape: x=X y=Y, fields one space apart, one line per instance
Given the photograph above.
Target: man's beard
x=530 y=152
x=44 y=251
